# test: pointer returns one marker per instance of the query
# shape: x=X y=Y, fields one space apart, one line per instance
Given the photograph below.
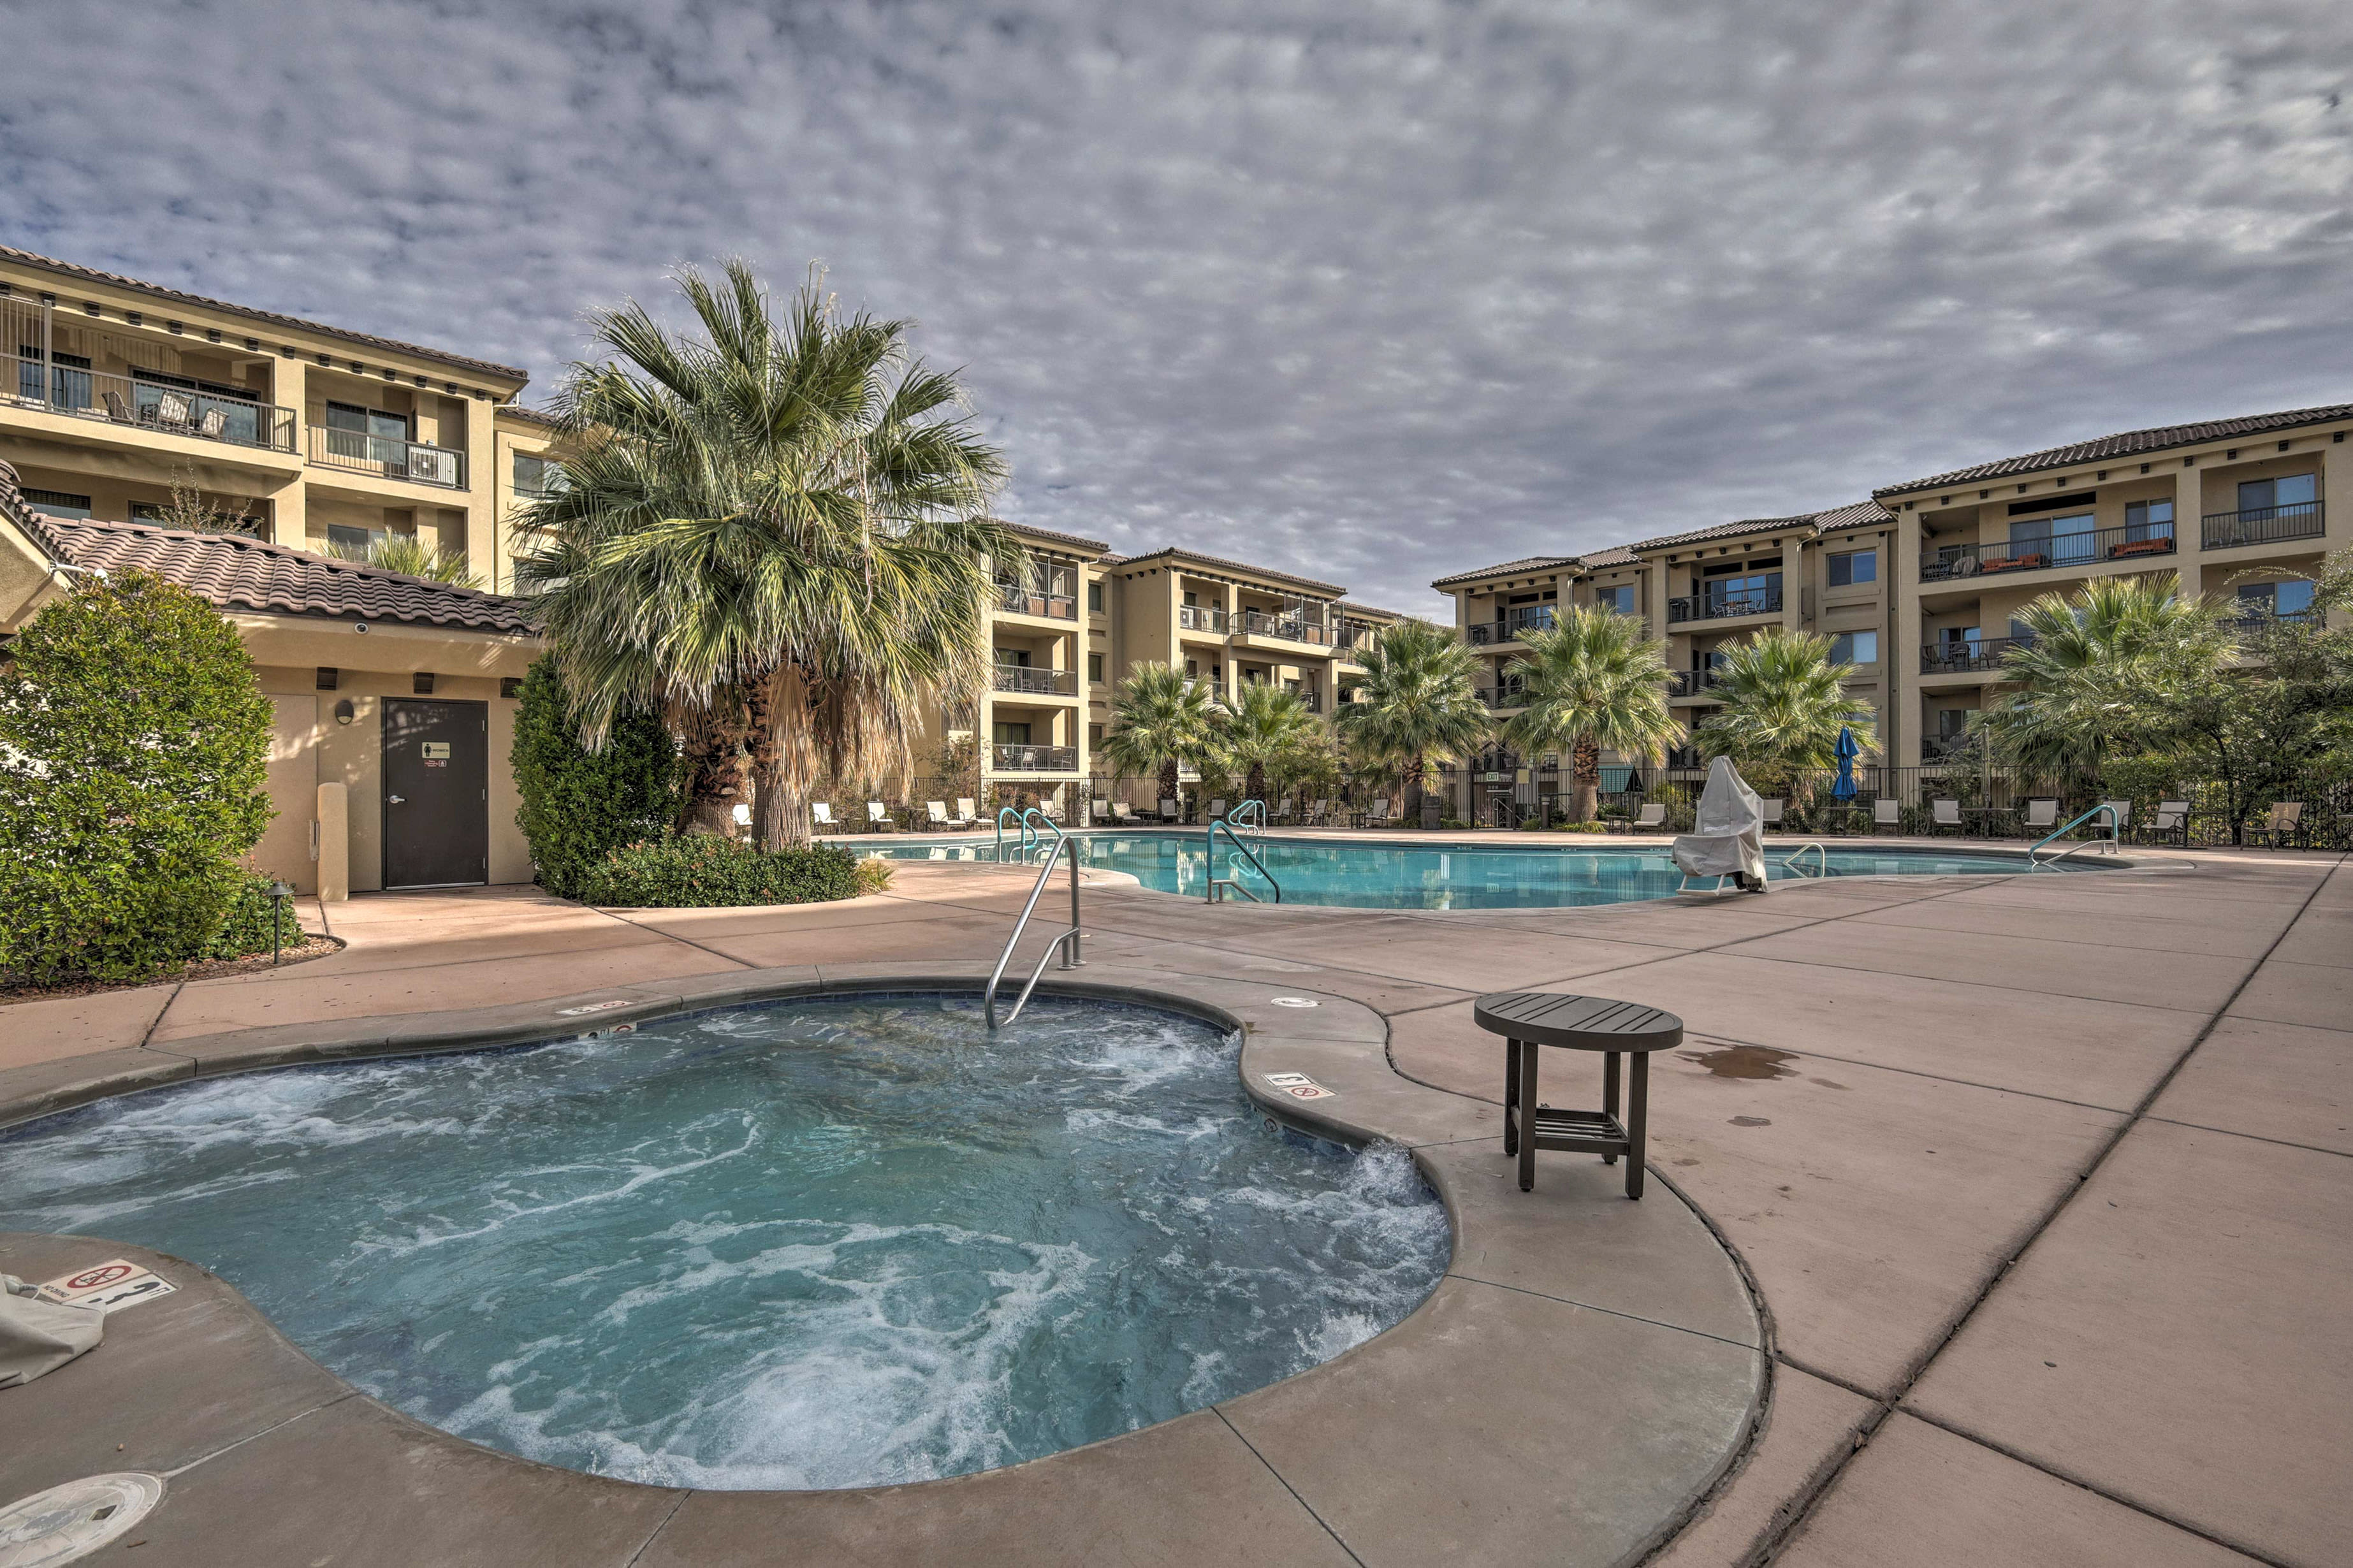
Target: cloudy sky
x=1372 y=290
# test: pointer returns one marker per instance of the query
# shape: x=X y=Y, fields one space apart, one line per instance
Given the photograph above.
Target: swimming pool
x=1383 y=876
x=820 y=1242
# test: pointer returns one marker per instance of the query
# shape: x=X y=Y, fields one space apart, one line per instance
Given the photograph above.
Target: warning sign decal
x=107 y=1286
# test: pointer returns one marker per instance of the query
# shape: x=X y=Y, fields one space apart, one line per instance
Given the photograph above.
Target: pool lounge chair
x=1217 y=808
x=1171 y=810
x=878 y=816
x=2286 y=818
x=1380 y=815
x=2172 y=816
x=967 y=813
x=1886 y=813
x=1122 y=812
x=1772 y=812
x=821 y=814
x=1944 y=812
x=1654 y=815
x=2041 y=813
x=1097 y=811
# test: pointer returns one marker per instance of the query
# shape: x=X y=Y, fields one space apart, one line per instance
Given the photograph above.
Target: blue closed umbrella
x=1847 y=753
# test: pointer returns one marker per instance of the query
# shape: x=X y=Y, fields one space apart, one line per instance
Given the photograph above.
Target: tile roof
x=238 y=573
x=529 y=416
x=1615 y=555
x=1859 y=515
x=2131 y=443
x=1507 y=568
x=1724 y=530
x=157 y=290
x=1078 y=541
x=1348 y=606
x=1176 y=551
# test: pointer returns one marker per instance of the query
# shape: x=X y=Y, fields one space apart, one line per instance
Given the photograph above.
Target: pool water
x=828 y=1242
x=1442 y=876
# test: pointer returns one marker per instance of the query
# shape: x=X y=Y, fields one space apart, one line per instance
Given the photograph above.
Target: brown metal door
x=437 y=794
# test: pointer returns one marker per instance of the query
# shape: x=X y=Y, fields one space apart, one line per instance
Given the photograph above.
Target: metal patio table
x=1529 y=1019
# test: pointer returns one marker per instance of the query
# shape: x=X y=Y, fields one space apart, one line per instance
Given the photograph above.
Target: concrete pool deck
x=2043 y=1181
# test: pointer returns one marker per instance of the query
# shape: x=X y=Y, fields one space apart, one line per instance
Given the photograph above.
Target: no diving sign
x=1298 y=1085
x=108 y=1287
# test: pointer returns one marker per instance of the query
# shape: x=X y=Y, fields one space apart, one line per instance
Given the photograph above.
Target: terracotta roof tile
x=1179 y=552
x=1507 y=568
x=1078 y=541
x=1724 y=531
x=2129 y=443
x=1860 y=514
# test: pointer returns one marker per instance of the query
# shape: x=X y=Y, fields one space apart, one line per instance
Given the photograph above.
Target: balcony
x=1953 y=562
x=1201 y=618
x=1725 y=607
x=1035 y=758
x=136 y=403
x=1032 y=678
x=1510 y=694
x=2263 y=525
x=1693 y=682
x=1014 y=599
x=1513 y=625
x=387 y=458
x=1938 y=748
x=1965 y=658
x=1289 y=628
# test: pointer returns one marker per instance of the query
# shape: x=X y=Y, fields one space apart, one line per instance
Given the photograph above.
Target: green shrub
x=577 y=804
x=245 y=928
x=1580 y=827
x=134 y=747
x=698 y=872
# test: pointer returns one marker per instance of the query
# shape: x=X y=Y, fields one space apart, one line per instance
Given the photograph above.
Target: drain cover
x=1294 y=1001
x=67 y=1524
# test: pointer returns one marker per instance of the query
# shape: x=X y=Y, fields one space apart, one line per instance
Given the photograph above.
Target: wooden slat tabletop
x=1579 y=1023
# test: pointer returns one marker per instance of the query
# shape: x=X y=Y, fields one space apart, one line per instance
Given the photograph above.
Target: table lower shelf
x=1573 y=1131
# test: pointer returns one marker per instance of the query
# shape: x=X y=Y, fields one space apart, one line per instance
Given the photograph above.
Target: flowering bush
x=134 y=746
x=701 y=871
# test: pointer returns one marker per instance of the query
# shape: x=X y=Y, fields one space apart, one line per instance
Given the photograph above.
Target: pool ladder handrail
x=1822 y=856
x=1249 y=817
x=1218 y=884
x=1020 y=820
x=1066 y=942
x=2115 y=833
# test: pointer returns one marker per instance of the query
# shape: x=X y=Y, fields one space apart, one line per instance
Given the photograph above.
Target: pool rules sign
x=107 y=1287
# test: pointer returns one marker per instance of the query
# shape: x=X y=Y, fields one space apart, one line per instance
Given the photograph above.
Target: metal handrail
x=2115 y=833
x=1216 y=881
x=1067 y=944
x=1250 y=815
x=1790 y=862
x=1014 y=812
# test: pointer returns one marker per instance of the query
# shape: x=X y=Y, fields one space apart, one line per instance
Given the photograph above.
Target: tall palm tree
x=1418 y=707
x=777 y=533
x=2088 y=667
x=1267 y=725
x=1784 y=702
x=1594 y=681
x=1159 y=721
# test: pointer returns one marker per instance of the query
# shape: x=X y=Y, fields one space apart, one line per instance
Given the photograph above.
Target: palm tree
x=1594 y=681
x=411 y=557
x=1418 y=707
x=1267 y=726
x=1784 y=704
x=777 y=533
x=2088 y=668
x=1161 y=719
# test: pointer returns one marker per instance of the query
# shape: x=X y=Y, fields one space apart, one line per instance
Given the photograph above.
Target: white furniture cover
x=1728 y=836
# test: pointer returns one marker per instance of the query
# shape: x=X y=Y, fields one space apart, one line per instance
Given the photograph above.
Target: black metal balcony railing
x=1692 y=683
x=1036 y=759
x=1032 y=677
x=1722 y=607
x=1513 y=625
x=2248 y=620
x=1480 y=633
x=2035 y=555
x=139 y=403
x=2262 y=525
x=1014 y=598
x=386 y=457
x=1934 y=748
x=1961 y=657
x=1683 y=757
x=1291 y=629
x=1510 y=694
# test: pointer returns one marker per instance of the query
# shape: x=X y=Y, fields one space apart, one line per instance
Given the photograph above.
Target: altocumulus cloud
x=1373 y=289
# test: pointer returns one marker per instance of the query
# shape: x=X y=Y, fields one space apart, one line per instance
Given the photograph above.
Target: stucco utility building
x=394 y=697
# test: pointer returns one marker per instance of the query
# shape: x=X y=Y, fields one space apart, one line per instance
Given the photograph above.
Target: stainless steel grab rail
x=2115 y=832
x=1790 y=862
x=1067 y=944
x=1217 y=882
x=1248 y=816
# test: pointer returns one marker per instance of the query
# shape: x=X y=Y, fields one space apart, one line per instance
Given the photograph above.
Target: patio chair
x=1381 y=815
x=2123 y=808
x=2286 y=818
x=821 y=814
x=2041 y=813
x=878 y=816
x=1654 y=815
x=936 y=812
x=1052 y=810
x=175 y=412
x=116 y=409
x=215 y=422
x=1122 y=812
x=2172 y=816
x=1319 y=812
x=1886 y=813
x=1772 y=810
x=967 y=813
x=1169 y=810
x=1944 y=811
x=1098 y=810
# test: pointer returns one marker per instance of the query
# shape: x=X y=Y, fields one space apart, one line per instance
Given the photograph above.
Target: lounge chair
x=1379 y=815
x=1886 y=813
x=215 y=422
x=1217 y=808
x=2286 y=818
x=1171 y=810
x=821 y=814
x=173 y=411
x=1098 y=810
x=1652 y=814
x=967 y=813
x=116 y=409
x=2123 y=808
x=1050 y=810
x=878 y=816
x=936 y=812
x=2041 y=813
x=1122 y=812
x=1944 y=812
x=1772 y=812
x=2172 y=816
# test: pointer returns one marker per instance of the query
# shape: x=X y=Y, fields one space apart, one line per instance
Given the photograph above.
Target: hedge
x=579 y=806
x=245 y=928
x=699 y=870
x=134 y=747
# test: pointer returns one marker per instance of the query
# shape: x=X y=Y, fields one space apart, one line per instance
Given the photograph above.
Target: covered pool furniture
x=1728 y=838
x=1531 y=1019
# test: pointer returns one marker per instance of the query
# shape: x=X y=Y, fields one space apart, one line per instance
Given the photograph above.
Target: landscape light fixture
x=278 y=893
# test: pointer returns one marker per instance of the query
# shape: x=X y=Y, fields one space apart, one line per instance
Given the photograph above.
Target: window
x=1010 y=734
x=58 y=503
x=367 y=434
x=1952 y=723
x=2148 y=520
x=2272 y=496
x=1854 y=568
x=536 y=477
x=1192 y=670
x=343 y=536
x=1192 y=599
x=2290 y=598
x=1094 y=597
x=1095 y=667
x=1855 y=647
x=1094 y=736
x=1619 y=598
x=1754 y=594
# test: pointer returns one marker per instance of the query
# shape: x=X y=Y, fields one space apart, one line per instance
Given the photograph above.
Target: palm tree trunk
x=1254 y=786
x=783 y=761
x=1585 y=762
x=711 y=766
x=1168 y=780
x=1415 y=771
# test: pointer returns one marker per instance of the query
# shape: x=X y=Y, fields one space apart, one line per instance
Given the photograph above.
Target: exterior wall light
x=346 y=713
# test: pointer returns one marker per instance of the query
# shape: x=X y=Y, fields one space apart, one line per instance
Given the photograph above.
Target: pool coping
x=1503 y=1270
